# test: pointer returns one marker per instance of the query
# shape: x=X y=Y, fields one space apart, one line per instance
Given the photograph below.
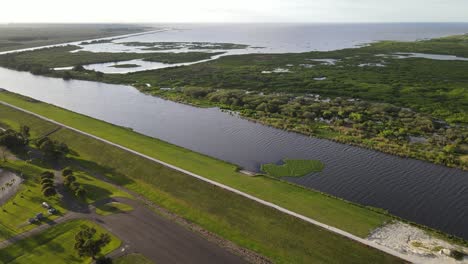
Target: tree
x=49 y=191
x=66 y=172
x=24 y=130
x=79 y=68
x=52 y=149
x=12 y=139
x=99 y=74
x=67 y=76
x=88 y=243
x=69 y=180
x=46 y=181
x=47 y=175
x=80 y=192
x=4 y=154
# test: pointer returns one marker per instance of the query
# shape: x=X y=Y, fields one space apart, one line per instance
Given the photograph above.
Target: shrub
x=47 y=181
x=49 y=191
x=47 y=175
x=67 y=172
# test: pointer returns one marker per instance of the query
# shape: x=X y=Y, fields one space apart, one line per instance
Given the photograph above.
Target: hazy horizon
x=241 y=11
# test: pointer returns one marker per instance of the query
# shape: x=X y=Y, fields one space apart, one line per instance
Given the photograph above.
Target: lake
x=270 y=38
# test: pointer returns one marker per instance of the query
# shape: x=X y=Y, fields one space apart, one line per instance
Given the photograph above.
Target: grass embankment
x=282 y=238
x=133 y=259
x=113 y=208
x=15 y=213
x=54 y=245
x=293 y=168
x=97 y=190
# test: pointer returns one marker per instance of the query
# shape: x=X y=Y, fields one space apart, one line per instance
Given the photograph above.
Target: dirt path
x=228 y=188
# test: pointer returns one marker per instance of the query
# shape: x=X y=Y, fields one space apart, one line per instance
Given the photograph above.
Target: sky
x=148 y=11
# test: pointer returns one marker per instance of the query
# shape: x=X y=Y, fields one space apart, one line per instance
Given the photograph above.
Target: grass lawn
x=54 y=245
x=27 y=202
x=293 y=168
x=113 y=208
x=282 y=238
x=133 y=259
x=96 y=189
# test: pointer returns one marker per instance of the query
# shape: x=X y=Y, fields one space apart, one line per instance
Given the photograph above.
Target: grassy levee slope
x=282 y=238
x=53 y=246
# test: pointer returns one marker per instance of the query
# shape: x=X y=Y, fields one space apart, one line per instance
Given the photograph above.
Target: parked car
x=45 y=205
x=39 y=216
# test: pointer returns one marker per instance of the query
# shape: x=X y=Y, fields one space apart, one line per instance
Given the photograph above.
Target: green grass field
x=293 y=168
x=133 y=259
x=27 y=202
x=113 y=208
x=96 y=189
x=280 y=237
x=53 y=246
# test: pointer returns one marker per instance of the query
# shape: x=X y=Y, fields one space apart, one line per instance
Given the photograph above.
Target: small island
x=125 y=66
x=293 y=168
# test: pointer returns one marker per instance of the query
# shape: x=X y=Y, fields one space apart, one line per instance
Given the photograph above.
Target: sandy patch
x=416 y=243
x=9 y=185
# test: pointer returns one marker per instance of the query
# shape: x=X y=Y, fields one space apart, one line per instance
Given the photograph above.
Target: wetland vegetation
x=185 y=45
x=411 y=107
x=293 y=168
x=21 y=36
x=43 y=61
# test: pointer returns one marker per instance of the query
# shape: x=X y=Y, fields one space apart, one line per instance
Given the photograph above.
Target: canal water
x=429 y=194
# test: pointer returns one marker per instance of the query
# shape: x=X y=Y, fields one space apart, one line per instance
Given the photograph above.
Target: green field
x=293 y=168
x=113 y=208
x=280 y=237
x=97 y=190
x=133 y=259
x=27 y=202
x=53 y=246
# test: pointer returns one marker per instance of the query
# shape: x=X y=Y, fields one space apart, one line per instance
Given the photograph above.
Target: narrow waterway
x=419 y=191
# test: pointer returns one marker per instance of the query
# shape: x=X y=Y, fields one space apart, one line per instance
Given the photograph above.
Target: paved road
x=162 y=240
x=142 y=230
x=266 y=203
